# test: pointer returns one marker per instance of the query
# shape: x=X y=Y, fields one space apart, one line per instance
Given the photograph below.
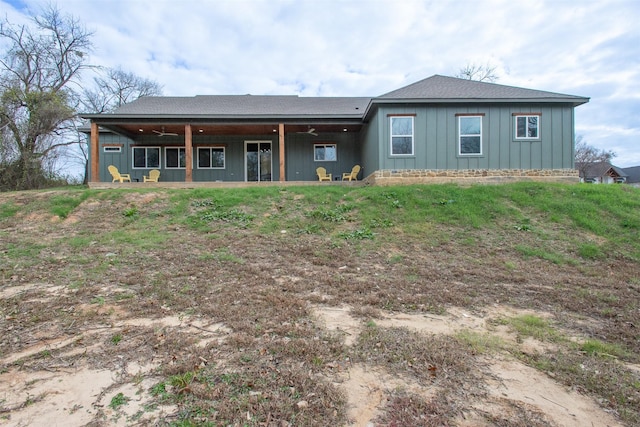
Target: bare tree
x=586 y=155
x=481 y=73
x=37 y=102
x=115 y=87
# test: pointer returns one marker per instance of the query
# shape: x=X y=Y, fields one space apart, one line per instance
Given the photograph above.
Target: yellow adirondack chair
x=322 y=174
x=117 y=176
x=353 y=175
x=154 y=175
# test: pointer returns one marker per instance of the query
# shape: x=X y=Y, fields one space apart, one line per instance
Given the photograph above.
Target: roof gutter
x=574 y=101
x=225 y=117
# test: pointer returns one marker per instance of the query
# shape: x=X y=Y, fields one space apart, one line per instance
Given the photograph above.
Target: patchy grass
x=63 y=205
x=118 y=400
x=482 y=343
x=602 y=349
x=428 y=358
x=8 y=210
x=409 y=409
x=529 y=325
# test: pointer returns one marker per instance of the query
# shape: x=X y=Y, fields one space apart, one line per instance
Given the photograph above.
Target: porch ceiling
x=136 y=129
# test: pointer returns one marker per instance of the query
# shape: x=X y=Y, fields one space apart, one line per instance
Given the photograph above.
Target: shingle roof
x=438 y=87
x=599 y=169
x=633 y=174
x=433 y=89
x=246 y=106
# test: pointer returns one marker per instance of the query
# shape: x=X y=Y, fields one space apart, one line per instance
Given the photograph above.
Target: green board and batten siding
x=300 y=164
x=436 y=138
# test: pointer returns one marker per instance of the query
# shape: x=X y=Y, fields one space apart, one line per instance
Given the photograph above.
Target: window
x=527 y=127
x=325 y=152
x=211 y=158
x=146 y=157
x=175 y=158
x=111 y=149
x=470 y=131
x=401 y=136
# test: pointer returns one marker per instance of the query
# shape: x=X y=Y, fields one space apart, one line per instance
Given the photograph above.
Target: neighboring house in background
x=440 y=128
x=633 y=175
x=601 y=173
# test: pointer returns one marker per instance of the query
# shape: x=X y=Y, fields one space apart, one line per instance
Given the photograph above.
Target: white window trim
x=515 y=127
x=224 y=158
x=412 y=135
x=166 y=164
x=112 y=149
x=325 y=144
x=460 y=135
x=133 y=157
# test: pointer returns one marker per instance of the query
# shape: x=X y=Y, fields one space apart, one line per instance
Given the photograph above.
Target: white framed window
x=112 y=149
x=146 y=157
x=175 y=158
x=325 y=152
x=401 y=135
x=211 y=158
x=527 y=126
x=469 y=135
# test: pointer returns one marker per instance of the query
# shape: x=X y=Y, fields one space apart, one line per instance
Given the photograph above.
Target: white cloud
x=369 y=47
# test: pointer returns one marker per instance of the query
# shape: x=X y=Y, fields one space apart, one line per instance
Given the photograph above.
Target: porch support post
x=188 y=151
x=94 y=149
x=281 y=149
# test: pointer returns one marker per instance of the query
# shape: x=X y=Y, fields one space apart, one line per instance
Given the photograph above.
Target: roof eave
x=223 y=117
x=574 y=101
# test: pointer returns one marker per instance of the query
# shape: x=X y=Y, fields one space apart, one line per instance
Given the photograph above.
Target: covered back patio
x=228 y=138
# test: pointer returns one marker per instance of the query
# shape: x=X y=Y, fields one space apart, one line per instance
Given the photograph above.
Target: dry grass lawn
x=151 y=308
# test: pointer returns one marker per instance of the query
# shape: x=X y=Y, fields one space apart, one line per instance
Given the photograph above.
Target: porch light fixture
x=200 y=130
x=140 y=130
x=344 y=130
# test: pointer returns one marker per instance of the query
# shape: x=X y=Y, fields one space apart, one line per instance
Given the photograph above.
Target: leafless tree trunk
x=37 y=71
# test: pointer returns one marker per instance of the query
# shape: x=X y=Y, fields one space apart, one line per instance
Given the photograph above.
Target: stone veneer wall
x=471 y=176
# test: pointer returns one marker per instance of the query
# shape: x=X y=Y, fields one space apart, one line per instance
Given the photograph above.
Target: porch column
x=94 y=149
x=281 y=141
x=188 y=151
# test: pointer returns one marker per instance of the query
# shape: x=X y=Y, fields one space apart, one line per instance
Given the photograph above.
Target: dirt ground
x=84 y=320
x=76 y=395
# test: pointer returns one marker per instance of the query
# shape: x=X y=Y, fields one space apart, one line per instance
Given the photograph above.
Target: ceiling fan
x=310 y=131
x=163 y=133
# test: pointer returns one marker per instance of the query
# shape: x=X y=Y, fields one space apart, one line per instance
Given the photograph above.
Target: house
x=439 y=128
x=633 y=175
x=600 y=173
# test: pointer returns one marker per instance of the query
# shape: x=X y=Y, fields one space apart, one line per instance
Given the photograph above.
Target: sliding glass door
x=257 y=161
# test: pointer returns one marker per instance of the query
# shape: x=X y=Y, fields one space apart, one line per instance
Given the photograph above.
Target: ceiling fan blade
x=163 y=133
x=310 y=131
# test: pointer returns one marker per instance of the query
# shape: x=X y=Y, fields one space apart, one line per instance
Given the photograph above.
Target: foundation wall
x=470 y=176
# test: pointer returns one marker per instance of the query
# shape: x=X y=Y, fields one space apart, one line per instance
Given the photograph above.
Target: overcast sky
x=588 y=48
